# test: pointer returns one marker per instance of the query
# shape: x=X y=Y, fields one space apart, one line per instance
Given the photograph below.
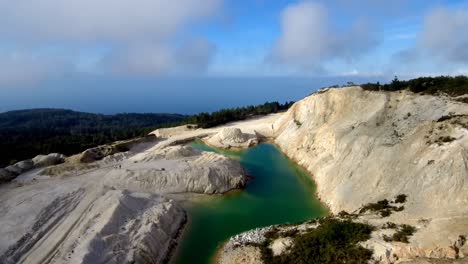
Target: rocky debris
x=11 y=172
x=69 y=169
x=48 y=160
x=100 y=152
x=173 y=131
x=232 y=137
x=281 y=245
x=246 y=245
x=255 y=236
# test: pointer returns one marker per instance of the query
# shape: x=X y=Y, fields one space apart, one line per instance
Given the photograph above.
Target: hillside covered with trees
x=27 y=133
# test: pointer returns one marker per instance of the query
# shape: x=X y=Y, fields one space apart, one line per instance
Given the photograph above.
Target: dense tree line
x=27 y=133
x=224 y=116
x=453 y=86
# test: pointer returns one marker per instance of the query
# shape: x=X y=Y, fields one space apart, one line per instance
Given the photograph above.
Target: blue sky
x=48 y=46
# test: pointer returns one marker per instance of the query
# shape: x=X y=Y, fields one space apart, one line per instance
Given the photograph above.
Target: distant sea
x=169 y=95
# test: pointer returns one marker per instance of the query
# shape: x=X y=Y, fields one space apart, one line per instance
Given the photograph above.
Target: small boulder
x=6 y=175
x=14 y=169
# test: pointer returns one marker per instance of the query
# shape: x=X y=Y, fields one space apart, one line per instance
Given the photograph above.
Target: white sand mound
x=183 y=169
x=232 y=137
x=113 y=227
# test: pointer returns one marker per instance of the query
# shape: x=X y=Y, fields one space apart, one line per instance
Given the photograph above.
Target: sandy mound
x=178 y=152
x=232 y=137
x=183 y=169
x=114 y=227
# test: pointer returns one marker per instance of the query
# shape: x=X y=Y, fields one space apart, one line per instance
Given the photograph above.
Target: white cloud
x=101 y=19
x=308 y=39
x=193 y=56
x=23 y=67
x=142 y=36
x=445 y=35
x=440 y=48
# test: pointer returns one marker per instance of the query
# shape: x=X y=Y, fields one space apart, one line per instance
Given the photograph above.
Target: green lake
x=280 y=192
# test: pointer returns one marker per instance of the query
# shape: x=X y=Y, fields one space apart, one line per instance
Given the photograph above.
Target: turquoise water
x=280 y=192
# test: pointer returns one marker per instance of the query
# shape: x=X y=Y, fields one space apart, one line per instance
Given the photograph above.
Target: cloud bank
x=90 y=20
x=445 y=35
x=440 y=47
x=308 y=39
x=143 y=36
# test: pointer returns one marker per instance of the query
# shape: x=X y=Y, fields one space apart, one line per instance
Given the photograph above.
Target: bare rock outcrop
x=11 y=172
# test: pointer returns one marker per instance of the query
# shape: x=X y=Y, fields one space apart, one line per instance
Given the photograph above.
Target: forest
x=452 y=86
x=27 y=133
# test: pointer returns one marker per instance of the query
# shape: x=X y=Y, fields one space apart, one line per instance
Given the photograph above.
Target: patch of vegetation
x=401 y=235
x=298 y=123
x=444 y=139
x=452 y=86
x=378 y=206
x=334 y=241
x=389 y=225
x=401 y=198
x=383 y=207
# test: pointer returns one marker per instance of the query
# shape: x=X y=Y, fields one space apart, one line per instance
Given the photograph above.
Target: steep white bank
x=363 y=146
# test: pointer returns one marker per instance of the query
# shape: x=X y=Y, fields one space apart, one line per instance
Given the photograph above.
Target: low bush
x=403 y=233
x=334 y=241
x=401 y=198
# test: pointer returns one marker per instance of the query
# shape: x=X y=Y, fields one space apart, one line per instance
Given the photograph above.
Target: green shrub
x=403 y=233
x=452 y=86
x=401 y=198
x=389 y=225
x=334 y=241
x=378 y=206
x=385 y=213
